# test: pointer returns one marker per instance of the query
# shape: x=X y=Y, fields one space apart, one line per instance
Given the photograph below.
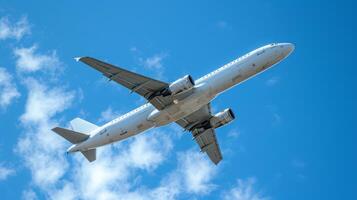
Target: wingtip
x=77 y=59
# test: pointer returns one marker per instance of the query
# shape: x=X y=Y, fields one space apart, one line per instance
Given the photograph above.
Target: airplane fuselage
x=205 y=90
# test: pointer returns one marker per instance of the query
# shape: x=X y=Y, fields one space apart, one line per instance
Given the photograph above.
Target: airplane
x=186 y=101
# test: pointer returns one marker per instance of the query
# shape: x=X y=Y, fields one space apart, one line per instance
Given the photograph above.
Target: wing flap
x=208 y=143
x=205 y=136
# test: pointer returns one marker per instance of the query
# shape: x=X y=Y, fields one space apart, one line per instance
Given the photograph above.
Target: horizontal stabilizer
x=90 y=154
x=82 y=126
x=72 y=136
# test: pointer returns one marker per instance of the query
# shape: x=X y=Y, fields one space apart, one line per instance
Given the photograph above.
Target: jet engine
x=222 y=118
x=181 y=85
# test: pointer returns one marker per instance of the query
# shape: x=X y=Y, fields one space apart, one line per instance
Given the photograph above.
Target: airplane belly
x=201 y=97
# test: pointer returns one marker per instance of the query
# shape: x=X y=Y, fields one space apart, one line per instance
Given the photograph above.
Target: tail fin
x=90 y=154
x=82 y=126
x=72 y=136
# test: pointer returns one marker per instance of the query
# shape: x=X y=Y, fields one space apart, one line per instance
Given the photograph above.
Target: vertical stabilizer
x=83 y=126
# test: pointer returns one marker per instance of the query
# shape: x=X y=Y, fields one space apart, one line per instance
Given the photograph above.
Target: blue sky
x=294 y=137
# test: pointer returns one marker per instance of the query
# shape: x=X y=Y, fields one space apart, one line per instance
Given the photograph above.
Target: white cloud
x=244 y=190
x=13 y=30
x=153 y=62
x=5 y=172
x=43 y=103
x=108 y=115
x=29 y=195
x=65 y=193
x=8 y=89
x=234 y=133
x=28 y=60
x=40 y=148
x=148 y=150
x=169 y=189
x=197 y=181
x=111 y=175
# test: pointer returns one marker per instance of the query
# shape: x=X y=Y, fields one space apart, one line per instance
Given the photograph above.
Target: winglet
x=77 y=59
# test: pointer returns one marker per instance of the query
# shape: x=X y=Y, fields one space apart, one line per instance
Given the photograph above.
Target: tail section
x=82 y=126
x=79 y=133
x=72 y=136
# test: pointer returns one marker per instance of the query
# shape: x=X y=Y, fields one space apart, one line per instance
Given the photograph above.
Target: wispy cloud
x=276 y=117
x=8 y=89
x=29 y=60
x=29 y=195
x=244 y=190
x=13 y=30
x=5 y=172
x=43 y=103
x=222 y=24
x=299 y=167
x=39 y=147
x=133 y=49
x=112 y=175
x=153 y=62
x=146 y=152
x=297 y=163
x=233 y=133
x=108 y=115
x=272 y=81
x=196 y=181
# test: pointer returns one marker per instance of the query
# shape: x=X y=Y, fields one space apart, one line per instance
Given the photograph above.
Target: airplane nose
x=290 y=47
x=287 y=48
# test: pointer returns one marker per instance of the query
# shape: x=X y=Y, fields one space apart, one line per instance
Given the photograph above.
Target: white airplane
x=184 y=101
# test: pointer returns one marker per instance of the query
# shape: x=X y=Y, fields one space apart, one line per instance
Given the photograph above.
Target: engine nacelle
x=181 y=85
x=222 y=118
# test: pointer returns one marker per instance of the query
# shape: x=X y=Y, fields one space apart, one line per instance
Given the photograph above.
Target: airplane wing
x=147 y=87
x=198 y=124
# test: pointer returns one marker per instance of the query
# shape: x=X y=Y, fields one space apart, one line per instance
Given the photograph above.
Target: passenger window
x=103 y=131
x=261 y=52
